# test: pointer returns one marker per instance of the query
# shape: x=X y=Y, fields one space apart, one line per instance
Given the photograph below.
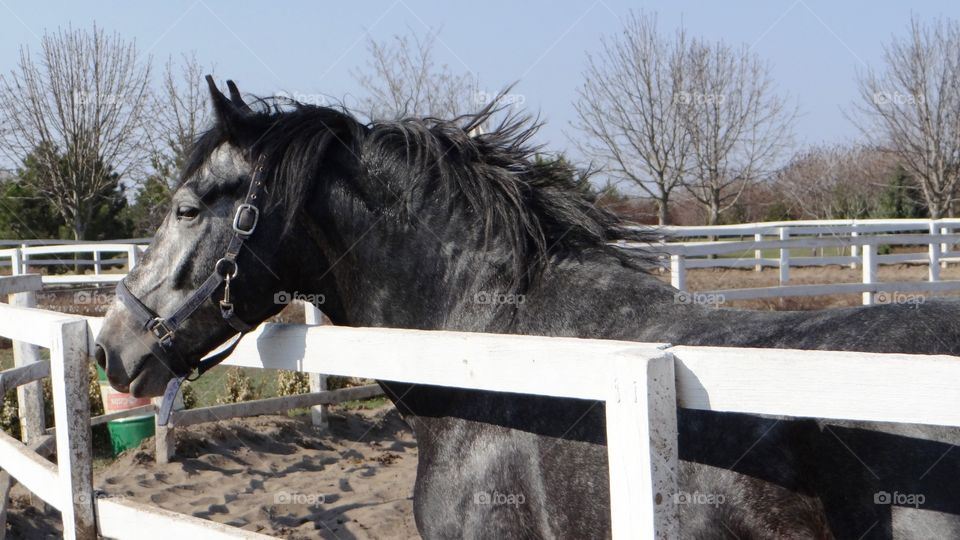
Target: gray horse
x=416 y=224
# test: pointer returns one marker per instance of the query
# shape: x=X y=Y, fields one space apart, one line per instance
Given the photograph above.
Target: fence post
x=71 y=403
x=758 y=253
x=30 y=395
x=24 y=260
x=164 y=436
x=678 y=272
x=944 y=247
x=96 y=263
x=933 y=273
x=784 y=235
x=318 y=381
x=15 y=261
x=853 y=246
x=641 y=413
x=131 y=257
x=869 y=271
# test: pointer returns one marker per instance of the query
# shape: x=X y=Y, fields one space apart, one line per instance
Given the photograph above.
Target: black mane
x=536 y=208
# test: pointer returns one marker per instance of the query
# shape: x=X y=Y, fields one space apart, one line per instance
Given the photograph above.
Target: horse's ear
x=237 y=99
x=228 y=115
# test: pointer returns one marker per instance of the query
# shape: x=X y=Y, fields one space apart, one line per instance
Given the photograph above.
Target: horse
x=417 y=223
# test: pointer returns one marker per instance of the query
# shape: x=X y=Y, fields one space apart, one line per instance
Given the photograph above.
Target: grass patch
x=212 y=384
x=365 y=404
x=6 y=358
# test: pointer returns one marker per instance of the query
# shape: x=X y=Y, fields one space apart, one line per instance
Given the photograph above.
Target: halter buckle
x=244 y=210
x=161 y=331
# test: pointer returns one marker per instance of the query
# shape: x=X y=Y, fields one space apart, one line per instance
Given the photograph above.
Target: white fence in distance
x=859 y=238
x=47 y=253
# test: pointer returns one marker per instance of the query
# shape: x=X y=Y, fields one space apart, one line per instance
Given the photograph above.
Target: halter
x=163 y=329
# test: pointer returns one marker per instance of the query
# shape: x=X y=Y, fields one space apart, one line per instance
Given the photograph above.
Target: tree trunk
x=935 y=212
x=714 y=213
x=663 y=210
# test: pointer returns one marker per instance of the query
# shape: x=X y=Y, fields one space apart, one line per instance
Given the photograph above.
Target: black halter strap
x=163 y=329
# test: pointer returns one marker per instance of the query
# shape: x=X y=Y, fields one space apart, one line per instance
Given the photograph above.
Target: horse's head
x=219 y=238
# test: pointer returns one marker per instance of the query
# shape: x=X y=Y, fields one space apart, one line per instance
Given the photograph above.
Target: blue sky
x=815 y=46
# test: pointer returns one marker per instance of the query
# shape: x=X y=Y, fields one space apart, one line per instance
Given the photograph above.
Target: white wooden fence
x=858 y=239
x=686 y=248
x=30 y=254
x=640 y=383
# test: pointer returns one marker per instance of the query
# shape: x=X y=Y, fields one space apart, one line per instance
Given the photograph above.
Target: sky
x=311 y=49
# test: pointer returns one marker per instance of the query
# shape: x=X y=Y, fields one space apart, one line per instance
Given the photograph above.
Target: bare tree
x=836 y=182
x=627 y=110
x=76 y=109
x=737 y=124
x=913 y=108
x=180 y=111
x=404 y=79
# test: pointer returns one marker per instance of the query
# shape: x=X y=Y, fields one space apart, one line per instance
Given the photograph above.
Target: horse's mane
x=536 y=208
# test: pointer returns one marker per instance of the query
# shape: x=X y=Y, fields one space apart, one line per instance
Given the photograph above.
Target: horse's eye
x=187 y=212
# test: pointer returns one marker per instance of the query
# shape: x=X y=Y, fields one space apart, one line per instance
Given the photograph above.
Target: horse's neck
x=385 y=279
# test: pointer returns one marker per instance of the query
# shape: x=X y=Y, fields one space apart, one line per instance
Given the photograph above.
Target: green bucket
x=127 y=433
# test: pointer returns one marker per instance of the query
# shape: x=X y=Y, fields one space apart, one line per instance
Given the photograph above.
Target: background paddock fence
x=857 y=243
x=853 y=243
x=110 y=261
x=641 y=384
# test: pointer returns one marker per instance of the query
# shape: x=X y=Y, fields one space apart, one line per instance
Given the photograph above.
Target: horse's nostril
x=101 y=357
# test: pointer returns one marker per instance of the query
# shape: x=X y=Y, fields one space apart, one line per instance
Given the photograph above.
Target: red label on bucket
x=119 y=401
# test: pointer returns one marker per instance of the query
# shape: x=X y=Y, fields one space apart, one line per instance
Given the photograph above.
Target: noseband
x=162 y=330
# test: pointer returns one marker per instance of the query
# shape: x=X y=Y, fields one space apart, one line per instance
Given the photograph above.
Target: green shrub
x=189 y=395
x=291 y=383
x=238 y=388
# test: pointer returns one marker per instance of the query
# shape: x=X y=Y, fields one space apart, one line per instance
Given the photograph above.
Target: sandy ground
x=271 y=474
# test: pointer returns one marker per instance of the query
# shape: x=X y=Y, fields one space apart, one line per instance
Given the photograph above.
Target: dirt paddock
x=275 y=475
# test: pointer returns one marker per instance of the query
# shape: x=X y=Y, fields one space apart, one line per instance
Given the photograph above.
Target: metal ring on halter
x=221 y=271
